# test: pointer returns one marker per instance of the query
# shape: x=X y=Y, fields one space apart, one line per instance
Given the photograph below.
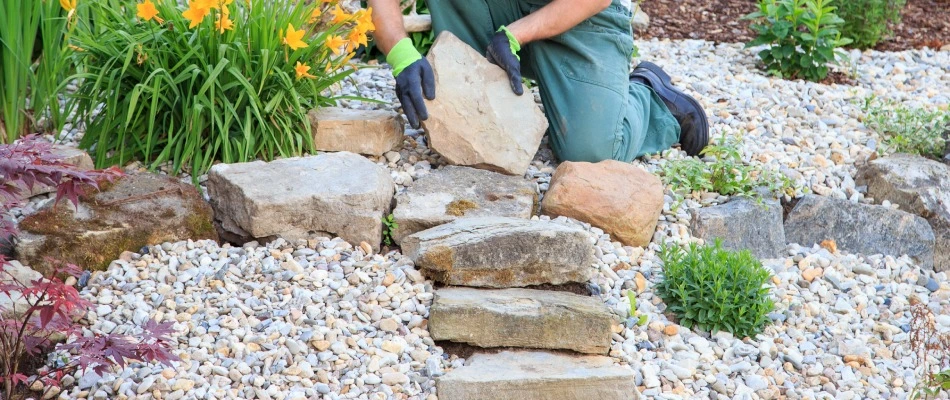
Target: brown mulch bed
x=926 y=23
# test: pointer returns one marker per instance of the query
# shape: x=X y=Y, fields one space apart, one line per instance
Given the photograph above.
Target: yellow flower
x=335 y=43
x=315 y=14
x=224 y=21
x=357 y=38
x=68 y=5
x=339 y=15
x=216 y=4
x=147 y=11
x=301 y=70
x=197 y=11
x=364 y=21
x=293 y=38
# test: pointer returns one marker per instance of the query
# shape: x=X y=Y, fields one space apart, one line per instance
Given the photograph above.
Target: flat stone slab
x=743 y=224
x=502 y=252
x=527 y=318
x=335 y=194
x=454 y=192
x=918 y=185
x=530 y=375
x=860 y=228
x=620 y=198
x=370 y=132
x=476 y=120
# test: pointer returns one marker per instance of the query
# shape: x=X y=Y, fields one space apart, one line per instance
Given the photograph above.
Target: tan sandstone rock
x=622 y=199
x=475 y=119
x=370 y=132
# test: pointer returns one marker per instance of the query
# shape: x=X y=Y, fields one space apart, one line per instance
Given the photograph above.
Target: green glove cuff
x=402 y=55
x=512 y=41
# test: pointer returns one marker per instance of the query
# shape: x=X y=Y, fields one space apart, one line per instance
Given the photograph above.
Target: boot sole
x=667 y=82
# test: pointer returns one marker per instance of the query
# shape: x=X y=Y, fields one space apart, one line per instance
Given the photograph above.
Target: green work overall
x=595 y=112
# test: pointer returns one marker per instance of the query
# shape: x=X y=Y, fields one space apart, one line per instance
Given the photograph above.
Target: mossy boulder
x=135 y=211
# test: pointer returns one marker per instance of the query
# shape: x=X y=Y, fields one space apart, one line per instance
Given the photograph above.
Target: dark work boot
x=694 y=127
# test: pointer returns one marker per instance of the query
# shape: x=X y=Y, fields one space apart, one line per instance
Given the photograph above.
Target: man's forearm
x=387 y=16
x=557 y=17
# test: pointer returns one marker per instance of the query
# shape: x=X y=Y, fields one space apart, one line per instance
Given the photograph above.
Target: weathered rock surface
x=135 y=211
x=67 y=154
x=336 y=194
x=860 y=228
x=527 y=318
x=14 y=304
x=502 y=252
x=370 y=132
x=640 y=21
x=475 y=119
x=620 y=198
x=743 y=224
x=528 y=375
x=919 y=186
x=455 y=192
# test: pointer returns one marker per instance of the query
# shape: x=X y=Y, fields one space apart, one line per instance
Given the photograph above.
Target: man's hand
x=503 y=52
x=414 y=79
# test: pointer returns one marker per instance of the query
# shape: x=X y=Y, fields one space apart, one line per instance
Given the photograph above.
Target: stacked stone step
x=474 y=235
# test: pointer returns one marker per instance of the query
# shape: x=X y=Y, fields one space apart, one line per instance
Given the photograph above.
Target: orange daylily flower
x=224 y=21
x=302 y=71
x=68 y=5
x=315 y=14
x=357 y=38
x=335 y=43
x=147 y=11
x=197 y=11
x=294 y=38
x=216 y=4
x=339 y=15
x=364 y=21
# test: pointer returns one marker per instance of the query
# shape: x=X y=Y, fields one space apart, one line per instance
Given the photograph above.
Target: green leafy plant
x=907 y=129
x=389 y=226
x=802 y=35
x=222 y=80
x=641 y=319
x=32 y=63
x=867 y=21
x=715 y=289
x=726 y=174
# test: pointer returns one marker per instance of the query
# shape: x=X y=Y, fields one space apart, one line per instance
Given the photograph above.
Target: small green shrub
x=218 y=80
x=866 y=21
x=907 y=129
x=727 y=174
x=803 y=37
x=389 y=226
x=715 y=289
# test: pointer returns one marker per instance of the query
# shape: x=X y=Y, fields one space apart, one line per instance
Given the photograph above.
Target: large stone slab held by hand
x=535 y=375
x=528 y=318
x=135 y=211
x=743 y=224
x=456 y=192
x=860 y=228
x=370 y=132
x=337 y=194
x=919 y=186
x=620 y=198
x=502 y=252
x=475 y=119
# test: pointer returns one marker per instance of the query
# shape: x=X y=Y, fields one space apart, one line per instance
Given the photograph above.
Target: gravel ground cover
x=252 y=319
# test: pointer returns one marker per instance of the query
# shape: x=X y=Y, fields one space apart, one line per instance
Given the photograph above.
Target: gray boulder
x=332 y=194
x=454 y=192
x=743 y=224
x=528 y=318
x=918 y=185
x=502 y=252
x=534 y=375
x=860 y=228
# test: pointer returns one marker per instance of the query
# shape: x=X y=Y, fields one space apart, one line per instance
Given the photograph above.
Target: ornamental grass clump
x=218 y=80
x=715 y=289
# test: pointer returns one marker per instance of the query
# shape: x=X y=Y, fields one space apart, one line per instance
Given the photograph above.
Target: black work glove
x=503 y=52
x=412 y=83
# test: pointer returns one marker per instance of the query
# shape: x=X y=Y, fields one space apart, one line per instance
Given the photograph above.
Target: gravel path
x=252 y=320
